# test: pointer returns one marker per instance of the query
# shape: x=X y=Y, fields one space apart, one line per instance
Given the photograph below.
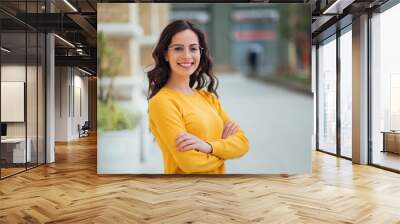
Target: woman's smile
x=186 y=65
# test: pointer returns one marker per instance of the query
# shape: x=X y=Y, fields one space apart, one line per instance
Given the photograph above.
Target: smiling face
x=184 y=53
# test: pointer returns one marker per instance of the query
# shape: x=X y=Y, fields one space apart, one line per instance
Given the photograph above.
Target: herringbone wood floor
x=70 y=191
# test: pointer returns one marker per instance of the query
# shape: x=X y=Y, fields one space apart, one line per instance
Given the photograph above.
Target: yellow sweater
x=172 y=112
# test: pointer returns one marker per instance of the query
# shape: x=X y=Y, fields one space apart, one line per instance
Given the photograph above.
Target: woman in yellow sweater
x=190 y=125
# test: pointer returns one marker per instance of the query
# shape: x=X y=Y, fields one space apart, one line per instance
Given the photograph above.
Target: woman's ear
x=165 y=57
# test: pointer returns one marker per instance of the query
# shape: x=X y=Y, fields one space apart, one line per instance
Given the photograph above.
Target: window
x=346 y=92
x=385 y=88
x=327 y=95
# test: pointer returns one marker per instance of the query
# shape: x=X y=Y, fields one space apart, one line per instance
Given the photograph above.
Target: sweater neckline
x=182 y=93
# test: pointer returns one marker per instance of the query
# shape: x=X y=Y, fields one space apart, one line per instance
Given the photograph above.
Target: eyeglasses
x=180 y=49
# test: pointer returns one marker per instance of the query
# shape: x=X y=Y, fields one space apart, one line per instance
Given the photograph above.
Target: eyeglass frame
x=201 y=49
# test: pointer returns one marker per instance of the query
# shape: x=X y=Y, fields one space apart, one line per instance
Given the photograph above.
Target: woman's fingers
x=225 y=132
x=230 y=128
x=182 y=139
x=234 y=130
x=182 y=136
x=186 y=142
x=188 y=147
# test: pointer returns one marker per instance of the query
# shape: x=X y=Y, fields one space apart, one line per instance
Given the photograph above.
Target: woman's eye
x=178 y=49
x=194 y=49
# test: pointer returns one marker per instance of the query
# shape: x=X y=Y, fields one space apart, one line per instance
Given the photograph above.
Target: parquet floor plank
x=70 y=191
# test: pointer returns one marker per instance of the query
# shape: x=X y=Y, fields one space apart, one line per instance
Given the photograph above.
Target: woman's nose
x=187 y=53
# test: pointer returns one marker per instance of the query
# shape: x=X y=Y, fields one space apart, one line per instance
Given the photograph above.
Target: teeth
x=185 y=65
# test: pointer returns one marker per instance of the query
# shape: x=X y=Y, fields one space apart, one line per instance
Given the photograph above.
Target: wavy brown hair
x=159 y=75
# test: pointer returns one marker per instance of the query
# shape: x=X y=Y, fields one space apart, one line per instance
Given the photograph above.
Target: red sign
x=255 y=35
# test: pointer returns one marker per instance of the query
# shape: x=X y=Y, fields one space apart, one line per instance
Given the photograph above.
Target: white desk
x=19 y=149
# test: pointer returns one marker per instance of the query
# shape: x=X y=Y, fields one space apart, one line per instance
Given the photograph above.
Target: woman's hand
x=230 y=128
x=185 y=141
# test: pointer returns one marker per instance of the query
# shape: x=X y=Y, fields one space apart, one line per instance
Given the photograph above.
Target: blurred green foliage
x=111 y=116
x=296 y=19
x=108 y=61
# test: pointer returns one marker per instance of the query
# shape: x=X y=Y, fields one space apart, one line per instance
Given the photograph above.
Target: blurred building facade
x=236 y=30
x=233 y=30
x=132 y=34
x=131 y=31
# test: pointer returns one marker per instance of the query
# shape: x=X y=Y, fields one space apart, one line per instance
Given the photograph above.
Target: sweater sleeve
x=235 y=145
x=167 y=123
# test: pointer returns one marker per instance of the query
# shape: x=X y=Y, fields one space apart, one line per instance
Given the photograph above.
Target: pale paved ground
x=278 y=123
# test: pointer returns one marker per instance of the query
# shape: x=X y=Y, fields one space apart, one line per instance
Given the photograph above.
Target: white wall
x=61 y=103
x=11 y=73
x=70 y=83
x=17 y=73
x=80 y=94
